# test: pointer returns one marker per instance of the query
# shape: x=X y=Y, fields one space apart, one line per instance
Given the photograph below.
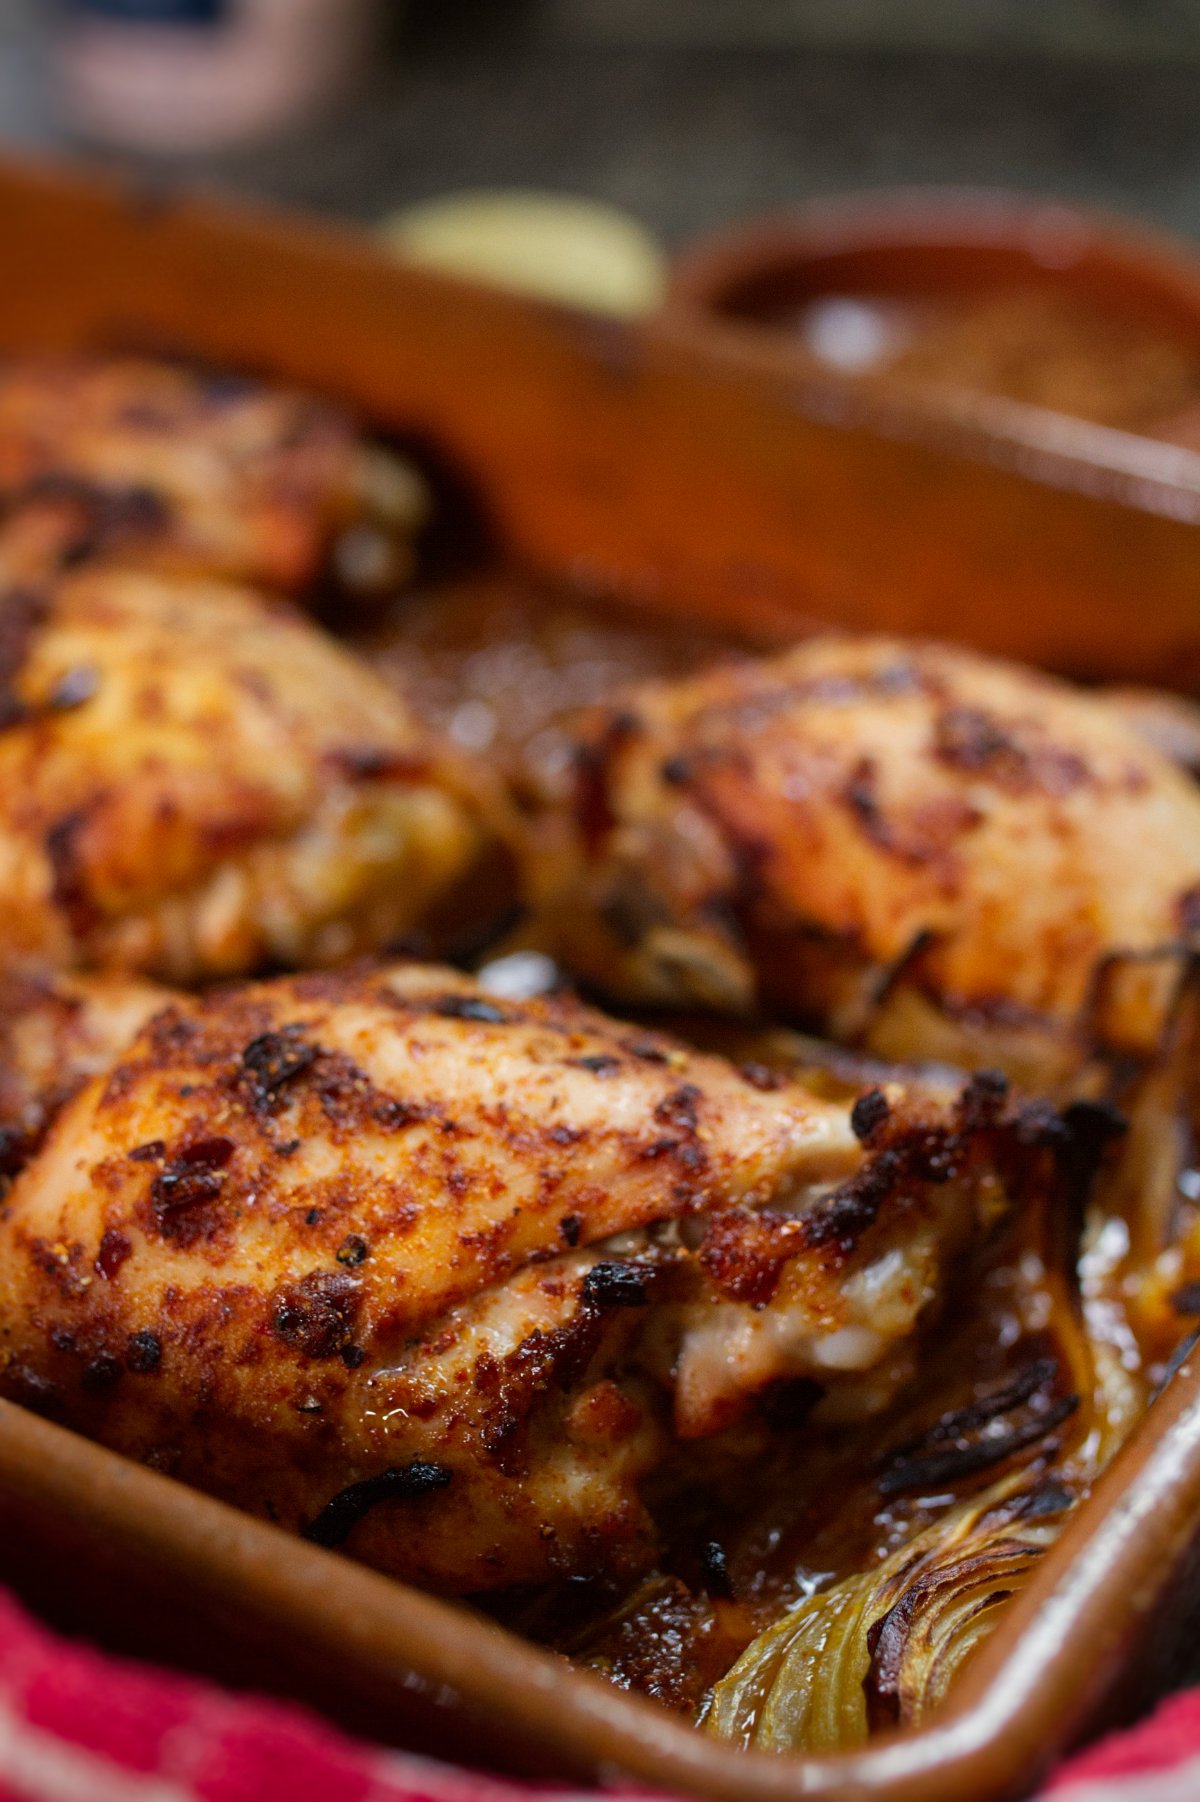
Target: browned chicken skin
x=445 y=1278
x=193 y=472
x=907 y=846
x=195 y=780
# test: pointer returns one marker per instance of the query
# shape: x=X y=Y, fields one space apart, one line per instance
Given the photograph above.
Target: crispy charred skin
x=184 y=470
x=907 y=846
x=194 y=780
x=443 y=1278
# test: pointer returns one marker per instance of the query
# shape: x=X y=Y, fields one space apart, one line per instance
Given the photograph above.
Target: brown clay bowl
x=902 y=243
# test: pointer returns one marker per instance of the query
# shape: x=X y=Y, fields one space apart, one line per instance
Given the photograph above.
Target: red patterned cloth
x=1157 y=1761
x=76 y=1726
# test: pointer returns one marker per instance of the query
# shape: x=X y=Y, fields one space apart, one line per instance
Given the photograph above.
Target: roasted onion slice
x=882 y=1647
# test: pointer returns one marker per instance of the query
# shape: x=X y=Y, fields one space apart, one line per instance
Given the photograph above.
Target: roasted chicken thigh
x=452 y=1280
x=195 y=472
x=195 y=781
x=906 y=846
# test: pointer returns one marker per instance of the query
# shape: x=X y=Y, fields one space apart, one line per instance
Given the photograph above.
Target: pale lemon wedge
x=561 y=247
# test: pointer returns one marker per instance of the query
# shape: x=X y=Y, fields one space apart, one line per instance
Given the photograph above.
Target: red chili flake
x=113 y=1251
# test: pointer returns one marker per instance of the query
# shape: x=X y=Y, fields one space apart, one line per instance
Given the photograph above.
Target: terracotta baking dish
x=686 y=476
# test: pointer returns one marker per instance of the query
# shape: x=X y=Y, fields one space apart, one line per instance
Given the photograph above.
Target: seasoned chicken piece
x=447 y=1279
x=909 y=847
x=194 y=472
x=194 y=781
x=55 y=1032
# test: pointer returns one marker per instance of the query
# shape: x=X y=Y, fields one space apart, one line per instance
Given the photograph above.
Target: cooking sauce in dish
x=499 y=660
x=1023 y=343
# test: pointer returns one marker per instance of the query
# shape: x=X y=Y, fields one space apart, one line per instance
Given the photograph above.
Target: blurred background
x=687 y=113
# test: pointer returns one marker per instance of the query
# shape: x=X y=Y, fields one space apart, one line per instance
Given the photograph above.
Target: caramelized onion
x=882 y=1647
